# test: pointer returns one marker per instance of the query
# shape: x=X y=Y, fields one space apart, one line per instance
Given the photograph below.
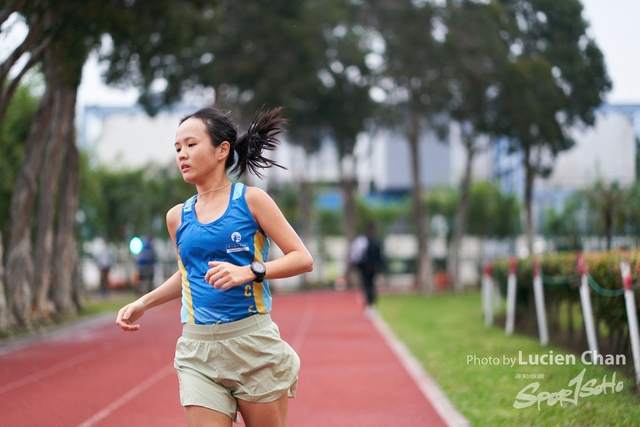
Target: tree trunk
x=77 y=290
x=63 y=119
x=305 y=198
x=33 y=44
x=19 y=273
x=530 y=175
x=349 y=219
x=306 y=202
x=461 y=216
x=608 y=224
x=66 y=253
x=349 y=211
x=424 y=273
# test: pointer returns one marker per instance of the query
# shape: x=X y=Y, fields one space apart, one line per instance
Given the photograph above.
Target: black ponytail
x=262 y=135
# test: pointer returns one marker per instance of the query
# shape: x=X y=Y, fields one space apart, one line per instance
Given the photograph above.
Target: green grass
x=444 y=330
x=98 y=305
x=94 y=305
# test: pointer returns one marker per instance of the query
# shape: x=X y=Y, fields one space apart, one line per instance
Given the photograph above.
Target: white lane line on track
x=111 y=408
x=430 y=389
x=303 y=328
x=66 y=364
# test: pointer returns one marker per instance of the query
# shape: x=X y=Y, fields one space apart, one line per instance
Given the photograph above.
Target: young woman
x=230 y=356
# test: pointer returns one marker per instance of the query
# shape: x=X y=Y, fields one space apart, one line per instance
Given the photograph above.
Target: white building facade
x=128 y=138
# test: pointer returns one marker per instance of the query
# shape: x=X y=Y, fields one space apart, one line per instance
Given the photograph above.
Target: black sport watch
x=259 y=269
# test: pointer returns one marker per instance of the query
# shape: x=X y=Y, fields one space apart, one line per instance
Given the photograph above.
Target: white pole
x=487 y=292
x=632 y=316
x=587 y=311
x=511 y=297
x=541 y=312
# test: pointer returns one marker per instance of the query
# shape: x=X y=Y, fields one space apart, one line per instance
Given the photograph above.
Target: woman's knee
x=272 y=414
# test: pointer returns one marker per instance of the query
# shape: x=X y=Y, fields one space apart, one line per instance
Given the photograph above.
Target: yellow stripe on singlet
x=258 y=245
x=186 y=287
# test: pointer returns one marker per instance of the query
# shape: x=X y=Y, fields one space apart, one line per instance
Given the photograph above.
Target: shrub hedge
x=561 y=281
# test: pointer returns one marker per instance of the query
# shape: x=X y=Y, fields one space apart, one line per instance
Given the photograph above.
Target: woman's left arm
x=296 y=259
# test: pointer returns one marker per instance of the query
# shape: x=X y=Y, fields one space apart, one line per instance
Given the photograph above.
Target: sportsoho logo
x=576 y=388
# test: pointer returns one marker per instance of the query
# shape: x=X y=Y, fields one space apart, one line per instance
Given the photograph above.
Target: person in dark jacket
x=146 y=265
x=365 y=254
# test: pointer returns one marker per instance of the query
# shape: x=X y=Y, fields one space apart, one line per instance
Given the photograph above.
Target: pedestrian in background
x=365 y=254
x=146 y=265
x=230 y=356
x=105 y=262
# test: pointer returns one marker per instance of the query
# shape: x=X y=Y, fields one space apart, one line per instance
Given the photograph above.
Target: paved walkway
x=354 y=372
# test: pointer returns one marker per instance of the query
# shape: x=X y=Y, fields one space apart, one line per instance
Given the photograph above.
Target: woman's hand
x=129 y=314
x=224 y=275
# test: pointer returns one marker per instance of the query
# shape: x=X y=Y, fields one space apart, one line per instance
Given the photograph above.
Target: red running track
x=93 y=374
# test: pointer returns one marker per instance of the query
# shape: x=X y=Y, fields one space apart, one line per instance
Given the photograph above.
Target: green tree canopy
x=122 y=204
x=160 y=47
x=555 y=79
x=493 y=213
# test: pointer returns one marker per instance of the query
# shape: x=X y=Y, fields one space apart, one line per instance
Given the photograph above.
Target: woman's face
x=196 y=157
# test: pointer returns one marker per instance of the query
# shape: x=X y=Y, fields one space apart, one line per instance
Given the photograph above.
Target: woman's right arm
x=168 y=291
x=171 y=289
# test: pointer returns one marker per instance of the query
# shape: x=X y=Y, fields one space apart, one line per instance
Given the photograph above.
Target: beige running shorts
x=246 y=360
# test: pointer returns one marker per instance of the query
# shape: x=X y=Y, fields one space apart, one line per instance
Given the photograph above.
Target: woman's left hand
x=224 y=275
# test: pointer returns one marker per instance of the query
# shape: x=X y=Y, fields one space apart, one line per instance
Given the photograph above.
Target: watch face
x=258 y=267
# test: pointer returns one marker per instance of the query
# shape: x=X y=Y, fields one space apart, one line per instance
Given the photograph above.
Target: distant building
x=606 y=151
x=127 y=137
x=390 y=169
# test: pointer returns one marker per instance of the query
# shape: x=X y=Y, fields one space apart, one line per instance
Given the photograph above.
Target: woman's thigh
x=272 y=414
x=197 y=416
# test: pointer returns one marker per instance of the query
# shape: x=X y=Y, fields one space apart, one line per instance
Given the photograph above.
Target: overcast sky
x=613 y=24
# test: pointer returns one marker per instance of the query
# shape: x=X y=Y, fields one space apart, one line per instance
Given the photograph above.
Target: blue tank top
x=236 y=238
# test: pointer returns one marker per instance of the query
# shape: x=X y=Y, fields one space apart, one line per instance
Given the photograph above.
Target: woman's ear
x=224 y=148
